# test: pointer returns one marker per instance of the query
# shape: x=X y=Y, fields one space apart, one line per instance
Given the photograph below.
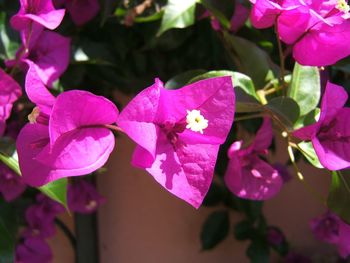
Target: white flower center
x=195 y=121
x=343 y=6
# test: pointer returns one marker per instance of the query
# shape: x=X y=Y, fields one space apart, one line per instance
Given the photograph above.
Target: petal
x=43 y=14
x=36 y=90
x=214 y=97
x=334 y=98
x=334 y=154
x=257 y=181
x=292 y=24
x=264 y=13
x=137 y=119
x=323 y=45
x=82 y=11
x=264 y=136
x=50 y=56
x=186 y=173
x=308 y=132
x=10 y=90
x=344 y=238
x=78 y=109
x=79 y=152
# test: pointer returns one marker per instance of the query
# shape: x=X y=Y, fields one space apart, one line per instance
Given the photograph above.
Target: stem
x=281 y=56
x=67 y=232
x=114 y=128
x=308 y=187
x=248 y=117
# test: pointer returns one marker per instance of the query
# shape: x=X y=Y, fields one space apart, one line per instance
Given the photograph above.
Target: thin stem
x=67 y=232
x=281 y=56
x=300 y=176
x=114 y=128
x=248 y=117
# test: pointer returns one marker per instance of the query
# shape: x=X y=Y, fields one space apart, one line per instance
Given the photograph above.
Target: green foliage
x=339 y=194
x=178 y=14
x=286 y=109
x=305 y=88
x=215 y=229
x=250 y=59
x=309 y=152
x=56 y=190
x=8 y=231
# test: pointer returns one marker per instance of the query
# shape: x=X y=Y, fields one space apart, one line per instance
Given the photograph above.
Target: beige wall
x=142 y=222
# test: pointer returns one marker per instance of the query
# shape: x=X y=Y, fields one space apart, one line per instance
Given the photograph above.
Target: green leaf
x=8 y=48
x=11 y=162
x=339 y=194
x=222 y=10
x=56 y=190
x=258 y=251
x=8 y=230
x=244 y=230
x=305 y=88
x=246 y=98
x=183 y=79
x=286 y=109
x=250 y=59
x=309 y=152
x=178 y=14
x=215 y=229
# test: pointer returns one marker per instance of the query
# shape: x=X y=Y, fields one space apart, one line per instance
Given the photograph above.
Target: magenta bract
x=318 y=30
x=69 y=137
x=41 y=12
x=83 y=197
x=10 y=91
x=11 y=185
x=330 y=135
x=33 y=250
x=247 y=175
x=178 y=133
x=331 y=229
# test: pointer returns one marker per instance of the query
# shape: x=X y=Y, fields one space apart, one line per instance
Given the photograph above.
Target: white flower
x=195 y=121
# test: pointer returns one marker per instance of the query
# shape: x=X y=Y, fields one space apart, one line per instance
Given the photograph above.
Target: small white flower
x=195 y=121
x=343 y=6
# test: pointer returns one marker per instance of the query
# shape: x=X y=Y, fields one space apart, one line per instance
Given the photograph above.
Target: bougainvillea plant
x=238 y=76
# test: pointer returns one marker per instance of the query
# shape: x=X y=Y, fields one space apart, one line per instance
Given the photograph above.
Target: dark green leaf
x=258 y=251
x=11 y=162
x=215 y=229
x=215 y=195
x=178 y=14
x=339 y=194
x=305 y=88
x=244 y=230
x=286 y=109
x=56 y=190
x=250 y=59
x=182 y=79
x=8 y=229
x=222 y=10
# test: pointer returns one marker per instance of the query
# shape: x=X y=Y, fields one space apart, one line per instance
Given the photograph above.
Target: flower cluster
x=317 y=30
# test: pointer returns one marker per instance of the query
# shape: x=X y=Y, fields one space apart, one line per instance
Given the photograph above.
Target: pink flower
x=11 y=185
x=178 y=133
x=33 y=250
x=40 y=217
x=10 y=91
x=331 y=229
x=83 y=197
x=237 y=21
x=81 y=11
x=247 y=175
x=67 y=136
x=318 y=30
x=41 y=12
x=330 y=135
x=48 y=54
